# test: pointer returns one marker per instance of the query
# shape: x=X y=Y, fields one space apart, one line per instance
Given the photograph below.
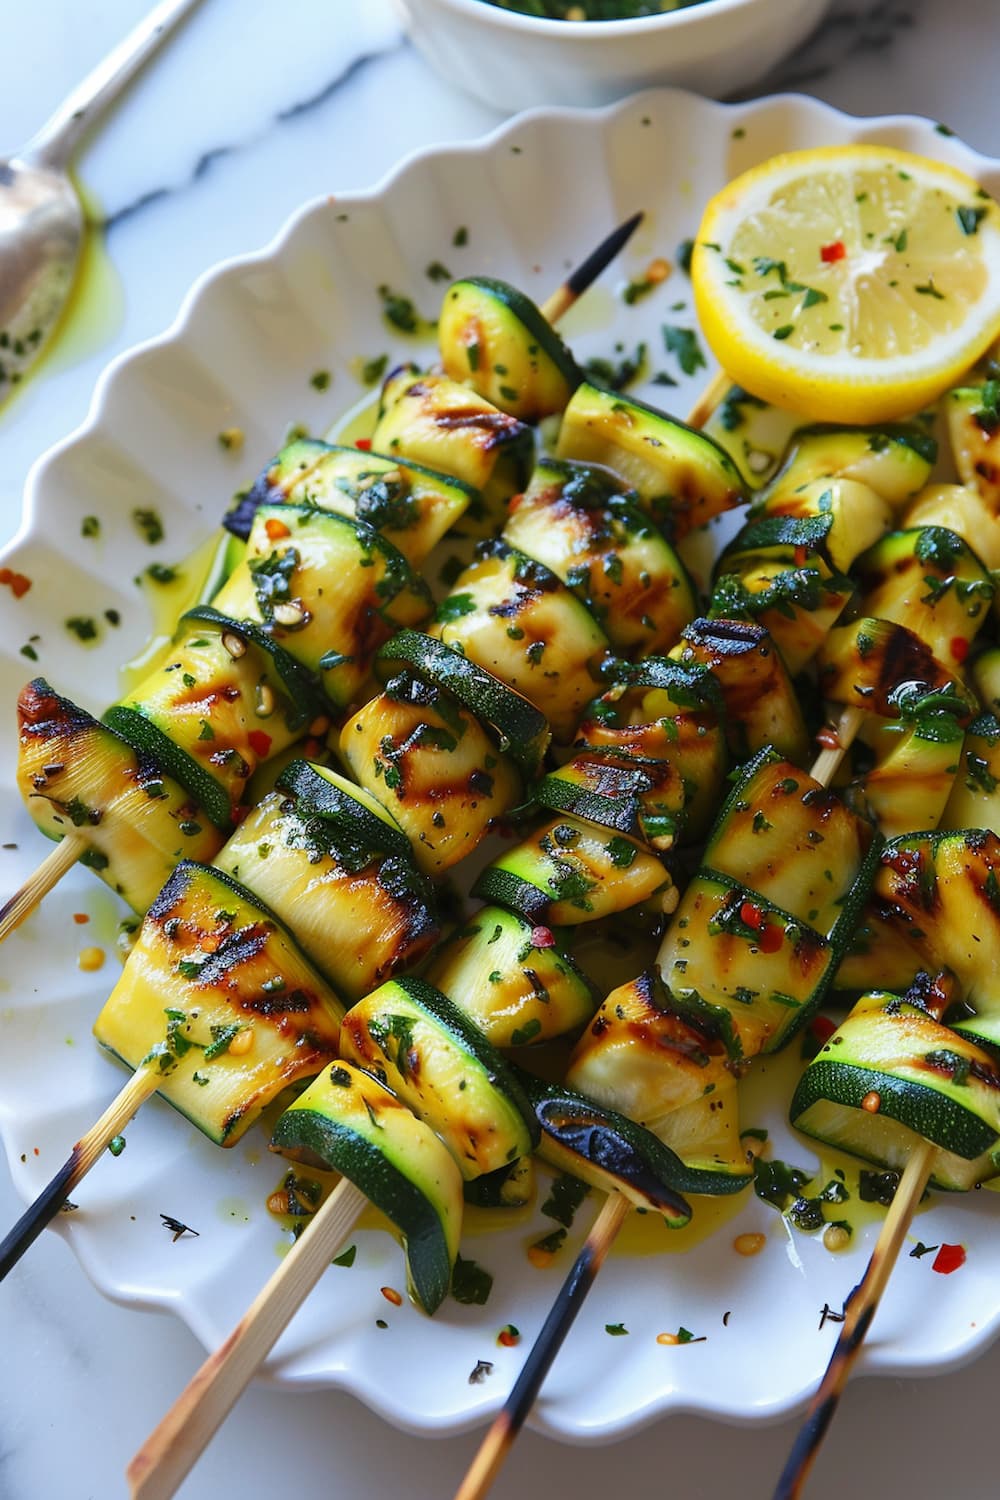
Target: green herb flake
x=90 y=526
x=969 y=218
x=399 y=310
x=373 y=369
x=471 y=1284
x=683 y=344
x=460 y=237
x=616 y=1330
x=346 y=1257
x=84 y=627
x=522 y=1035
x=148 y=524
x=320 y=380
x=565 y=1196
x=116 y=1145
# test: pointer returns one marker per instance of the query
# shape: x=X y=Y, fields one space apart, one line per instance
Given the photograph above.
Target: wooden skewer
x=174 y=1446
x=859 y=1310
x=71 y=847
x=37 y=886
x=507 y=1424
x=88 y=1148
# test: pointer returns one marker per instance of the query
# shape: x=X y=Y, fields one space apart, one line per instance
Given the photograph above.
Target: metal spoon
x=41 y=219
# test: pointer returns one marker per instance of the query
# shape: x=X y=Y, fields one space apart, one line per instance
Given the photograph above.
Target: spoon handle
x=54 y=144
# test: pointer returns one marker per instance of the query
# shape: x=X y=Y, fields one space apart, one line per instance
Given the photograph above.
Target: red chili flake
x=509 y=1336
x=959 y=647
x=239 y=812
x=948 y=1259
x=822 y=1028
x=275 y=529
x=771 y=939
x=260 y=743
x=800 y=554
x=18 y=583
x=365 y=444
x=828 y=738
x=751 y=916
x=391 y=1295
x=79 y=917
x=829 y=253
x=872 y=1102
x=541 y=937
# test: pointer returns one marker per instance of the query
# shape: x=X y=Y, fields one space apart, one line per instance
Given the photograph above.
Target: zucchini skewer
x=839 y=540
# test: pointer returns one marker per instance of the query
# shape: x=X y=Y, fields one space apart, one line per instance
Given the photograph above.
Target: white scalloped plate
x=534 y=196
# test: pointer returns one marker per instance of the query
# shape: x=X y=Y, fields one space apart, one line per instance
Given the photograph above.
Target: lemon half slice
x=851 y=283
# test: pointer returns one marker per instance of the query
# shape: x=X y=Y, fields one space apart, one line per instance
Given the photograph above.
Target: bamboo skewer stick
x=175 y=1445
x=88 y=1148
x=66 y=853
x=859 y=1310
x=37 y=886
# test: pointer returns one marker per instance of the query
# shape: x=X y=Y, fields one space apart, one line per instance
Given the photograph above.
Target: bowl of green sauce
x=514 y=54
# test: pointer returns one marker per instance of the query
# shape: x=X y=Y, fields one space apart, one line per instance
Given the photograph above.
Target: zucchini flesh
x=929 y=580
x=894 y=461
x=514 y=617
x=974 y=800
x=856 y=515
x=972 y=431
x=212 y=969
x=962 y=509
x=521 y=729
x=885 y=668
x=76 y=775
x=209 y=714
x=430 y=761
x=916 y=766
x=682 y=477
x=570 y=871
x=943 y=892
x=411 y=506
x=494 y=339
x=639 y=1056
x=347 y=1122
x=789 y=839
x=420 y=1046
x=892 y=1075
x=362 y=915
x=880 y=956
x=512 y=980
x=328 y=590
x=608 y=1151
x=607 y=551
x=431 y=419
x=760 y=704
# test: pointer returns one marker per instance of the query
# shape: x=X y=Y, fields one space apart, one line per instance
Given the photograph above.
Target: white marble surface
x=253 y=109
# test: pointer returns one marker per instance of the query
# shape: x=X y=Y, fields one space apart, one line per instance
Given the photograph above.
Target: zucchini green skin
x=78 y=776
x=512 y=1186
x=410 y=505
x=644 y=799
x=570 y=871
x=494 y=339
x=514 y=983
x=327 y=589
x=347 y=1122
x=916 y=1072
x=928 y=579
x=320 y=792
x=210 y=964
x=517 y=619
x=609 y=1151
x=854 y=515
x=760 y=706
x=607 y=551
x=361 y=914
x=522 y=730
x=434 y=765
x=302 y=689
x=683 y=478
x=421 y=1046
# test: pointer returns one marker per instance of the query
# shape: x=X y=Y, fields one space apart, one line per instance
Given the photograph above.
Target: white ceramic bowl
x=515 y=61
